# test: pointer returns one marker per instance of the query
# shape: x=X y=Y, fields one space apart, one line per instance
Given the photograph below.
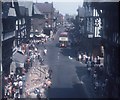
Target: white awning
x=40 y=35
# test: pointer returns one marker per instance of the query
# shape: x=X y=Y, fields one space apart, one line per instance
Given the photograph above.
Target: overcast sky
x=63 y=6
x=67 y=7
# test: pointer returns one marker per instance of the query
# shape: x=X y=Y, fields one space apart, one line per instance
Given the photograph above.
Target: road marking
x=58 y=55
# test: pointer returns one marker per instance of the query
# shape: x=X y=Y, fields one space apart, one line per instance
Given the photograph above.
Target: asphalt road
x=67 y=72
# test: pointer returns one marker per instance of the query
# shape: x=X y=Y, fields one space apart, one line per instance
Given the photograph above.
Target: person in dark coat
x=38 y=96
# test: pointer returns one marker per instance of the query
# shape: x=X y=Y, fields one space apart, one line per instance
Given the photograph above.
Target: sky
x=63 y=6
x=67 y=7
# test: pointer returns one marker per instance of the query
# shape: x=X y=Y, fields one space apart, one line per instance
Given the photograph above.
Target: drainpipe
x=1 y=29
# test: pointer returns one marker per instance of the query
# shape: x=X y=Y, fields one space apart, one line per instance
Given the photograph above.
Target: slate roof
x=7 y=10
x=36 y=10
x=45 y=7
x=25 y=4
x=81 y=11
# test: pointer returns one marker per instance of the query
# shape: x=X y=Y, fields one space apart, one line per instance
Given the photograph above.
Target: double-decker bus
x=63 y=39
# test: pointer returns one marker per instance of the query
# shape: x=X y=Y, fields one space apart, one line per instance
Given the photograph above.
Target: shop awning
x=40 y=35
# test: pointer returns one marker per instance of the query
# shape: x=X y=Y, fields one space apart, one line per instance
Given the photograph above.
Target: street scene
x=49 y=51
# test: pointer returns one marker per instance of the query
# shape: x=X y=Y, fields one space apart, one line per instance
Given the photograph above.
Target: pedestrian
x=12 y=74
x=79 y=57
x=49 y=83
x=45 y=51
x=50 y=73
x=84 y=58
x=42 y=42
x=95 y=75
x=34 y=56
x=41 y=60
x=96 y=87
x=98 y=60
x=92 y=64
x=13 y=91
x=20 y=83
x=89 y=63
x=38 y=55
x=38 y=96
x=20 y=90
x=95 y=60
x=89 y=70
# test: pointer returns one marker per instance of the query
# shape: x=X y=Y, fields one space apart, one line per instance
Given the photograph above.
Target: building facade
x=9 y=17
x=89 y=26
x=110 y=41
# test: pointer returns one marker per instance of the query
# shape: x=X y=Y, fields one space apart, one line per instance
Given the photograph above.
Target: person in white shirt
x=20 y=83
x=95 y=60
x=79 y=56
x=45 y=51
x=15 y=83
x=84 y=58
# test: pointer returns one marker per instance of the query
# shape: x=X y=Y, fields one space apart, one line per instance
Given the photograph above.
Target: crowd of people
x=95 y=69
x=14 y=86
x=14 y=82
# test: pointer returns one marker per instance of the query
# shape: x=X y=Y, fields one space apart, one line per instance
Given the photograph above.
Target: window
x=23 y=20
x=19 y=22
x=16 y=27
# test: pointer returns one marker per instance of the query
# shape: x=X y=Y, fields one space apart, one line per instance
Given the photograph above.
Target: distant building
x=89 y=25
x=48 y=11
x=58 y=19
x=81 y=14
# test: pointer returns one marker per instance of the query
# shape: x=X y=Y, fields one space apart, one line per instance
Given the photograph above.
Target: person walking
x=79 y=57
x=41 y=60
x=50 y=73
x=38 y=55
x=45 y=51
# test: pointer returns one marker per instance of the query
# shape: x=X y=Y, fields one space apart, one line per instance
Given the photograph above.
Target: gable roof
x=81 y=11
x=24 y=5
x=36 y=10
x=45 y=7
x=7 y=10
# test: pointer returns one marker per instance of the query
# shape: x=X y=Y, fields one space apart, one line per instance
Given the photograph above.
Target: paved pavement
x=36 y=77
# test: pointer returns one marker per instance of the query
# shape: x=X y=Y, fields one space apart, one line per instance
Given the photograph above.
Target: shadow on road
x=68 y=52
x=86 y=78
x=57 y=45
x=81 y=71
x=76 y=92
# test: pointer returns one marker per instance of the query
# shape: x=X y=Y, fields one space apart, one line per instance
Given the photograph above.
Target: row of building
x=19 y=20
x=98 y=29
